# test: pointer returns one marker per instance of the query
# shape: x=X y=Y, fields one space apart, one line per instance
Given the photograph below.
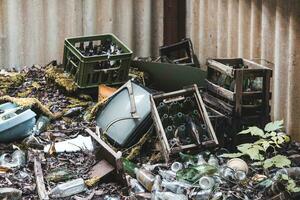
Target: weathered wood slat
x=114 y=158
x=218 y=104
x=221 y=67
x=220 y=91
x=254 y=65
x=39 y=178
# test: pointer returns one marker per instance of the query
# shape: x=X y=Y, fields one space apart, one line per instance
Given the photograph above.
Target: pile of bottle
x=103 y=47
x=99 y=48
x=182 y=122
x=161 y=181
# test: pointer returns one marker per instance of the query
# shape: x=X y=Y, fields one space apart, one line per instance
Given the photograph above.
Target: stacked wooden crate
x=240 y=89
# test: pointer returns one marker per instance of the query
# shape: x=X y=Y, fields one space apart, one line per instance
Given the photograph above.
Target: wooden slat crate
x=181 y=53
x=201 y=119
x=240 y=89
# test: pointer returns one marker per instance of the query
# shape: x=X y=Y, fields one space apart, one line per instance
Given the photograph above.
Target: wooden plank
x=255 y=65
x=221 y=67
x=218 y=104
x=238 y=102
x=160 y=130
x=254 y=72
x=254 y=94
x=172 y=94
x=101 y=169
x=39 y=178
x=230 y=61
x=114 y=158
x=238 y=92
x=231 y=96
x=204 y=114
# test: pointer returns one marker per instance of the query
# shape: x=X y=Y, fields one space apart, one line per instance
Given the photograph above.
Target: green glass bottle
x=162 y=108
x=188 y=105
x=174 y=108
x=179 y=118
x=166 y=120
x=129 y=167
x=169 y=132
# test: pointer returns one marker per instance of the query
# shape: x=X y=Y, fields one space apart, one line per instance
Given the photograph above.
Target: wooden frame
x=232 y=102
x=166 y=149
x=183 y=50
x=112 y=157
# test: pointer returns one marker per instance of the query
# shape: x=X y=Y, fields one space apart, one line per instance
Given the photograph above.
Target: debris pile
x=143 y=139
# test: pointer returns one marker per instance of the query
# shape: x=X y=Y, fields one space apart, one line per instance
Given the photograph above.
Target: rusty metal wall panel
x=254 y=29
x=33 y=31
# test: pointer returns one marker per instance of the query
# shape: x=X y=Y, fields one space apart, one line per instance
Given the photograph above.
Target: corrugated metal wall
x=33 y=31
x=267 y=29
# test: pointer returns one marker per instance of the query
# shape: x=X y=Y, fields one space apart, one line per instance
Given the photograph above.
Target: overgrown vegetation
x=264 y=151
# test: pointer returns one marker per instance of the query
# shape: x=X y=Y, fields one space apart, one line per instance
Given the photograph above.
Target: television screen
x=116 y=120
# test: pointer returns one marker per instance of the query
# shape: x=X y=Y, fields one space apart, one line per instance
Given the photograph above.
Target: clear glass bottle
x=170 y=195
x=135 y=186
x=201 y=160
x=145 y=178
x=213 y=161
x=68 y=188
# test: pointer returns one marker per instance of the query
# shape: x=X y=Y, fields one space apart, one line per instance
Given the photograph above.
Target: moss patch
x=60 y=78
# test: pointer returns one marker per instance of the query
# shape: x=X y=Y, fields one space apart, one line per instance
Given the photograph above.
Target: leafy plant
x=270 y=137
x=291 y=185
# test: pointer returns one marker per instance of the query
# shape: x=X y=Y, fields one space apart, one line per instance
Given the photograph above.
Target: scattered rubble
x=133 y=142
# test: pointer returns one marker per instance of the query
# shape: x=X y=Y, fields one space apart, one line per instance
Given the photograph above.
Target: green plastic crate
x=85 y=69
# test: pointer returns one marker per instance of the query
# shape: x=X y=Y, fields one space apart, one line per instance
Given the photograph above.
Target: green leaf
x=278 y=161
x=231 y=155
x=266 y=145
x=284 y=177
x=274 y=138
x=280 y=140
x=273 y=126
x=291 y=185
x=254 y=154
x=268 y=163
x=260 y=141
x=286 y=138
x=251 y=150
x=271 y=134
x=295 y=189
x=244 y=147
x=256 y=131
x=246 y=131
